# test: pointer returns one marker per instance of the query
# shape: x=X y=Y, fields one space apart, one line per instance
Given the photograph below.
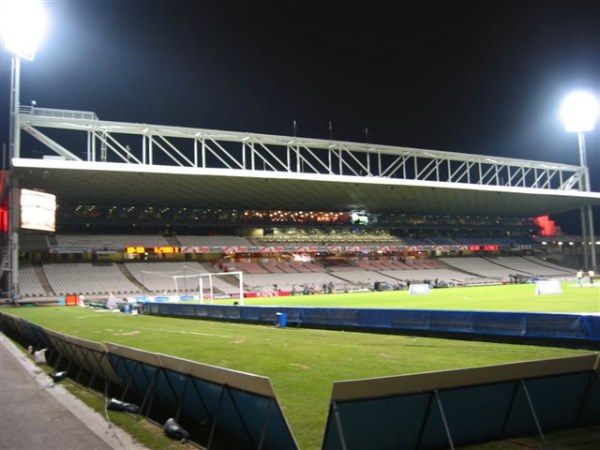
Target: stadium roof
x=121 y=184
x=157 y=165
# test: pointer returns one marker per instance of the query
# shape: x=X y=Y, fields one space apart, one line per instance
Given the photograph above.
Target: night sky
x=484 y=77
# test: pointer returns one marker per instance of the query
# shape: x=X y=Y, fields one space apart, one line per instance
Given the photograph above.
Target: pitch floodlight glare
x=579 y=111
x=23 y=25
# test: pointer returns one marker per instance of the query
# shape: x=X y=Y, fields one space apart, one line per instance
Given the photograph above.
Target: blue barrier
x=221 y=408
x=465 y=406
x=577 y=327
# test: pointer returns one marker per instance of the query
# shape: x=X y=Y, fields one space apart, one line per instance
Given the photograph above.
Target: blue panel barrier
x=458 y=407
x=580 y=328
x=235 y=409
x=223 y=408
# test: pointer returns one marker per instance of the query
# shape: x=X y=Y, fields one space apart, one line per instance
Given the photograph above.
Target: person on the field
x=591 y=275
x=580 y=277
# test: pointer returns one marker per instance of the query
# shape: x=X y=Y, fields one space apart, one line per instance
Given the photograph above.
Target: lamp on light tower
x=579 y=113
x=23 y=25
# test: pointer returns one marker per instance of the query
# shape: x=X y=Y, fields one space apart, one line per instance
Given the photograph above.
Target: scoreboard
x=138 y=250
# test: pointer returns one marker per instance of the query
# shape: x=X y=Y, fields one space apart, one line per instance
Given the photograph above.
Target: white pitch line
x=183 y=332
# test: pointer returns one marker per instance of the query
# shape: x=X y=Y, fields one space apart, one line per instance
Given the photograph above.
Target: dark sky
x=484 y=77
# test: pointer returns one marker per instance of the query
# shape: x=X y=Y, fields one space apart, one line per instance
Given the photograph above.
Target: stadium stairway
x=461 y=270
x=542 y=262
x=52 y=242
x=173 y=241
x=43 y=279
x=127 y=274
x=348 y=283
x=520 y=272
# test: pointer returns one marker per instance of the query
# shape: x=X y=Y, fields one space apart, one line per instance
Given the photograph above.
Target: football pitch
x=303 y=363
x=512 y=297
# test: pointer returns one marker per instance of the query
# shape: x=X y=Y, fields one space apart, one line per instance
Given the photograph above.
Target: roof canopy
x=107 y=184
x=89 y=161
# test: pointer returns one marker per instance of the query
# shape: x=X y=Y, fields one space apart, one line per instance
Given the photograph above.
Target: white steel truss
x=83 y=137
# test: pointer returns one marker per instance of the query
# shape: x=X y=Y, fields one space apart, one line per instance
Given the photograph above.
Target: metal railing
x=58 y=113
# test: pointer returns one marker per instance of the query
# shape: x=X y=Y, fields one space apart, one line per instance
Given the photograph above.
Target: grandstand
x=274 y=257
x=292 y=258
x=286 y=211
x=125 y=278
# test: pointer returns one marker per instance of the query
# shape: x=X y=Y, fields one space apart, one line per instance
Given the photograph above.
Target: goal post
x=190 y=281
x=198 y=282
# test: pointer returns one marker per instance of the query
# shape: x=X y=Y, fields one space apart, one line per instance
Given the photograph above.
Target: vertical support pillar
x=13 y=225
x=14 y=152
x=15 y=132
x=244 y=154
x=144 y=148
x=213 y=428
x=241 y=274
x=584 y=237
x=438 y=401
x=533 y=413
x=338 y=422
x=103 y=147
x=265 y=426
x=587 y=215
x=592 y=237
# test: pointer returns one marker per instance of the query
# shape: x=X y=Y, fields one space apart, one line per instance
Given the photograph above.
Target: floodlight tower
x=23 y=25
x=579 y=113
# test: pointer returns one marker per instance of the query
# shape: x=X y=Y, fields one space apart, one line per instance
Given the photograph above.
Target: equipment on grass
x=418 y=289
x=175 y=431
x=39 y=356
x=118 y=405
x=546 y=287
x=59 y=376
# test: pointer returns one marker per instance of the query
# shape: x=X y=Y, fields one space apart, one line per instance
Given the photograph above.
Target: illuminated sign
x=489 y=248
x=137 y=250
x=38 y=210
x=166 y=249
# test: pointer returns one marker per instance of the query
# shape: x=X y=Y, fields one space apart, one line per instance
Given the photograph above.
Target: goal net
x=189 y=282
x=205 y=285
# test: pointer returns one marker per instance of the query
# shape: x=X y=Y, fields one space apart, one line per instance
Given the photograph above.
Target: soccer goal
x=198 y=283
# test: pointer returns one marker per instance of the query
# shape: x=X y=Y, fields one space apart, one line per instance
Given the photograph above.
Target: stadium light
x=579 y=113
x=23 y=24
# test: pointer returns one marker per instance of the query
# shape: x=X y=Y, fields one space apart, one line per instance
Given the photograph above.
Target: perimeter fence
x=219 y=408
x=578 y=329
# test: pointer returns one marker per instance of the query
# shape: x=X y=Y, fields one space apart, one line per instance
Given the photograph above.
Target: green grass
x=303 y=363
x=514 y=297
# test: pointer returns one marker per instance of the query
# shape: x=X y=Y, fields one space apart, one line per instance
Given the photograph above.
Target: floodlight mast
x=22 y=27
x=579 y=113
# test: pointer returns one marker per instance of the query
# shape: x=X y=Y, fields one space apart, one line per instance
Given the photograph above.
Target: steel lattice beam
x=157 y=145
